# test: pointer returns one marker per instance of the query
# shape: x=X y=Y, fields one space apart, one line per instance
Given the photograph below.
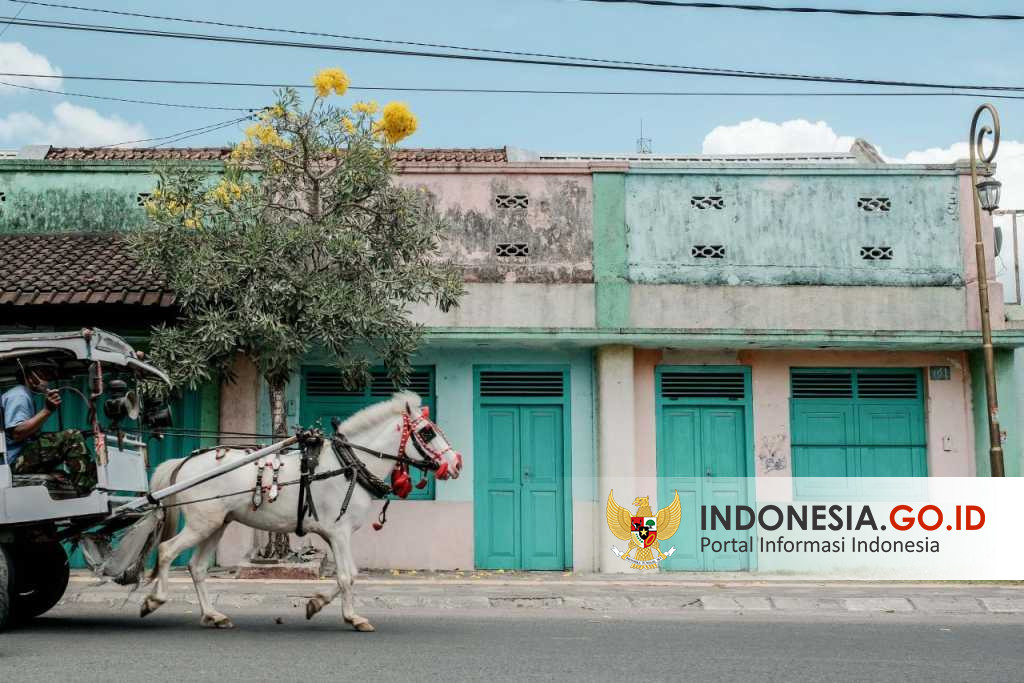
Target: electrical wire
x=8 y=24
x=496 y=91
x=126 y=99
x=807 y=10
x=181 y=135
x=149 y=33
x=322 y=34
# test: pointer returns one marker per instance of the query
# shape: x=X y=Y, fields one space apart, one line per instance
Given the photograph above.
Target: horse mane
x=370 y=416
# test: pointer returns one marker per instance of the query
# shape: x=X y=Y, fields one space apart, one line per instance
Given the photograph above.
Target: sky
x=905 y=129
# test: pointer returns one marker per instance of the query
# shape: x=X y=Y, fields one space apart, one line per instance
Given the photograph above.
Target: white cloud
x=764 y=137
x=72 y=126
x=15 y=58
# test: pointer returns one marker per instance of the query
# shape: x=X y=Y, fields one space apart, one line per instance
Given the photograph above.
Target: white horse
x=389 y=427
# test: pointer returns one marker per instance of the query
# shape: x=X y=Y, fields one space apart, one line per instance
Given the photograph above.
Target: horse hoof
x=217 y=622
x=150 y=605
x=315 y=604
x=364 y=626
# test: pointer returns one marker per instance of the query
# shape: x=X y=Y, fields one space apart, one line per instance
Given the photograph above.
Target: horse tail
x=163 y=477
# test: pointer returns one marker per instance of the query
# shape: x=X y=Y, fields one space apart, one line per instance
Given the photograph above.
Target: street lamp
x=986 y=196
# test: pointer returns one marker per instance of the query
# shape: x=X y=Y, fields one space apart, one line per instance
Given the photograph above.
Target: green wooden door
x=325 y=397
x=519 y=452
x=522 y=474
x=703 y=449
x=850 y=423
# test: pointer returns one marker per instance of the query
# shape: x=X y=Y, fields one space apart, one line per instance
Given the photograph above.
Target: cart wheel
x=5 y=587
x=42 y=578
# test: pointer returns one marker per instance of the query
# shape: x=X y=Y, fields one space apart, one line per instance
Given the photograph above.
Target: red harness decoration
x=411 y=427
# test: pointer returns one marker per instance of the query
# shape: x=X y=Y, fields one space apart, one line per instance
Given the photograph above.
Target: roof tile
x=62 y=268
x=441 y=156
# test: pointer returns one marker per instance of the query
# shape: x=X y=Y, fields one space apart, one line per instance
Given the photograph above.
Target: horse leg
x=197 y=567
x=167 y=552
x=341 y=545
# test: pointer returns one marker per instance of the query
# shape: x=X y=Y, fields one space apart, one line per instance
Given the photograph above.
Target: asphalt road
x=97 y=643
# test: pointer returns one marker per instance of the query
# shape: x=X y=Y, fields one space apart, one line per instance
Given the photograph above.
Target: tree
x=303 y=242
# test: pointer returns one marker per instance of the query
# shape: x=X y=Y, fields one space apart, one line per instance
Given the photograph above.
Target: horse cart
x=39 y=511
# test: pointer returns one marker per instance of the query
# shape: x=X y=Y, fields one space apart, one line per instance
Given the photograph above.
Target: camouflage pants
x=52 y=450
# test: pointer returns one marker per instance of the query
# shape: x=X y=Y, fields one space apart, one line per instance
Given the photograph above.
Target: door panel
x=723 y=452
x=679 y=460
x=543 y=516
x=702 y=455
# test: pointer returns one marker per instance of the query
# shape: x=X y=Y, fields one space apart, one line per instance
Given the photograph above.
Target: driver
x=29 y=449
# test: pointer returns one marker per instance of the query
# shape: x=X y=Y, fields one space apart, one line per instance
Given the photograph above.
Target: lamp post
x=986 y=196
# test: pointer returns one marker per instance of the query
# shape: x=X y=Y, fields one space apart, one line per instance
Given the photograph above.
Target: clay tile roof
x=451 y=156
x=137 y=153
x=64 y=268
x=403 y=156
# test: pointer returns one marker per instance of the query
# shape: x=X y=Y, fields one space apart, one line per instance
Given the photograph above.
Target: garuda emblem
x=643 y=530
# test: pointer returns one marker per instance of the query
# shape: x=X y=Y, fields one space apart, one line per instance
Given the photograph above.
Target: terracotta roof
x=137 y=153
x=403 y=156
x=64 y=268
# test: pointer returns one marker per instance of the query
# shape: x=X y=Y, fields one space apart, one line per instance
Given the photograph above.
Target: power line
x=126 y=99
x=809 y=10
x=119 y=30
x=391 y=41
x=182 y=134
x=457 y=91
x=16 y=15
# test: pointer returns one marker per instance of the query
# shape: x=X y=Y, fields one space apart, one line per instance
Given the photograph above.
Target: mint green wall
x=47 y=196
x=611 y=250
x=792 y=226
x=454 y=382
x=1008 y=415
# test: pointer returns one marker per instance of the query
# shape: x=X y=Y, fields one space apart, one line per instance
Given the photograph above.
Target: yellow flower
x=396 y=122
x=327 y=80
x=265 y=135
x=243 y=150
x=370 y=107
x=191 y=223
x=347 y=124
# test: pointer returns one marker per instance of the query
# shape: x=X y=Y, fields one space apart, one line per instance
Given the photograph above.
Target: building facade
x=632 y=323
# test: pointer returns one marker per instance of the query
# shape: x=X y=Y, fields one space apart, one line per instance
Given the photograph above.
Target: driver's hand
x=52 y=400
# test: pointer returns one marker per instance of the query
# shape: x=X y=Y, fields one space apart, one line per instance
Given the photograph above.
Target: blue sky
x=904 y=49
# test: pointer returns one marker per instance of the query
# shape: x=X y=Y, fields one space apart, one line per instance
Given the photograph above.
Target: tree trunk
x=274 y=546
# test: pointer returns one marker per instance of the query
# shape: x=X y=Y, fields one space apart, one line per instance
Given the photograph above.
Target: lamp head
x=988 y=194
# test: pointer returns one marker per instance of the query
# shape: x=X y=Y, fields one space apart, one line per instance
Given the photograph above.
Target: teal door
x=324 y=396
x=703 y=453
x=518 y=456
x=850 y=423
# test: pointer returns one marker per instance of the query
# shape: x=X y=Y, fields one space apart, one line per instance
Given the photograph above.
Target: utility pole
x=986 y=196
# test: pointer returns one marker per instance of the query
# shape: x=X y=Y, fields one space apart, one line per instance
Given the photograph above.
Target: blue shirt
x=18 y=406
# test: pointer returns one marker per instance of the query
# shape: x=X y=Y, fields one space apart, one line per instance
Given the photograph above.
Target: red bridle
x=413 y=427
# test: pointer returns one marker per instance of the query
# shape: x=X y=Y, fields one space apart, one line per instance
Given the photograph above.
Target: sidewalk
x=666 y=593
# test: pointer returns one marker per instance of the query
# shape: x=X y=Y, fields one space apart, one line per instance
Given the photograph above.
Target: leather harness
x=352 y=468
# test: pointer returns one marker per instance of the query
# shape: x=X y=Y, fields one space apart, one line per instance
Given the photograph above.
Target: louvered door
x=520 y=433
x=850 y=423
x=703 y=453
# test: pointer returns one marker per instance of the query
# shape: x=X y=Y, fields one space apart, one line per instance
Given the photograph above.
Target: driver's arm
x=28 y=427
